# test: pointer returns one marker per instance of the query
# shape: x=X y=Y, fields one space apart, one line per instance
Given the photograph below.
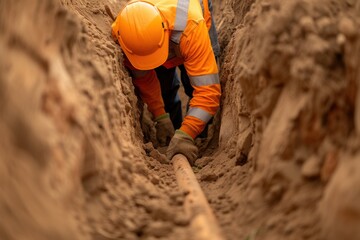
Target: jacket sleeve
x=200 y=64
x=150 y=92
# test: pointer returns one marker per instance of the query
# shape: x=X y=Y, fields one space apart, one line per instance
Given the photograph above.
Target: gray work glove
x=164 y=129
x=184 y=144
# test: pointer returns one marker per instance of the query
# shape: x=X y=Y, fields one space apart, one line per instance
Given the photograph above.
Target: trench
x=281 y=160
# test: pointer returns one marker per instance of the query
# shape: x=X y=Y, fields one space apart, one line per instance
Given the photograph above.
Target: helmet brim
x=149 y=61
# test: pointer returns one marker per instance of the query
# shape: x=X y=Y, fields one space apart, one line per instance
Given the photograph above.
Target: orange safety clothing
x=207 y=14
x=150 y=92
x=189 y=32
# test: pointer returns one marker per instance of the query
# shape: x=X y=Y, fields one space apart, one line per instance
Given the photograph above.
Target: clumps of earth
x=281 y=160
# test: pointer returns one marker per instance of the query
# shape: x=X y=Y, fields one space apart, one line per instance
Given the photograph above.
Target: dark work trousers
x=170 y=84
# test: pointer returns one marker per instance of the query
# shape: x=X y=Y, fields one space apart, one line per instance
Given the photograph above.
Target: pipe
x=203 y=221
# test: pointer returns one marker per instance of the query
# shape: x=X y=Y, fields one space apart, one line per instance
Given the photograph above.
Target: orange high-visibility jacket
x=189 y=32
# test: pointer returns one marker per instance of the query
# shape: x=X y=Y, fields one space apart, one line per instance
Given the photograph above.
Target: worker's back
x=175 y=11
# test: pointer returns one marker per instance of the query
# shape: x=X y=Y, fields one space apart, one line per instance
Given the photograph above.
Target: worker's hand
x=164 y=129
x=184 y=144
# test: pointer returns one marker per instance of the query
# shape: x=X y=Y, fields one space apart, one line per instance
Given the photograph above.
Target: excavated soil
x=282 y=160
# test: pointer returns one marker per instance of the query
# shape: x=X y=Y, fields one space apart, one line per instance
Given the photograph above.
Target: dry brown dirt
x=282 y=159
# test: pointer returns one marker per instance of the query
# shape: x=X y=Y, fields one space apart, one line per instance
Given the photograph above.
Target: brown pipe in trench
x=203 y=221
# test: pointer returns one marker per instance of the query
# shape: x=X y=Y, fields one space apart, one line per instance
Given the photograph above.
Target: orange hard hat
x=142 y=34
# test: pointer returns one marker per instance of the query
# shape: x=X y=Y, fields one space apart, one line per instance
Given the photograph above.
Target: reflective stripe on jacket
x=190 y=31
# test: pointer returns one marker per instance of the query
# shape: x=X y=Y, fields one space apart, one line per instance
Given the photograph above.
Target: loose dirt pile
x=72 y=162
x=283 y=161
x=289 y=119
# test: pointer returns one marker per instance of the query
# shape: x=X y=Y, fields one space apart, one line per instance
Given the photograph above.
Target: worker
x=157 y=36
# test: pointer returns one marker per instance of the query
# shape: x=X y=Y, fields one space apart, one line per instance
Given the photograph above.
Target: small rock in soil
x=158 y=229
x=311 y=168
x=209 y=177
x=158 y=156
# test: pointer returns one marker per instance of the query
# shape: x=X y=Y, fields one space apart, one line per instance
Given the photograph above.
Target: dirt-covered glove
x=184 y=144
x=164 y=129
